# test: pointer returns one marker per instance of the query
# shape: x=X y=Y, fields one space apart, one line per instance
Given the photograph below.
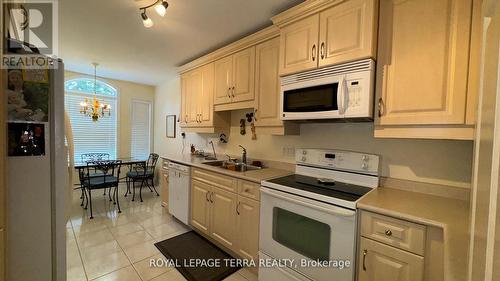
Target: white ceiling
x=111 y=33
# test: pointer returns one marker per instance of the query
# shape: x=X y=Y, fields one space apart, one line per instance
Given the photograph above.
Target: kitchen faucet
x=213 y=149
x=244 y=155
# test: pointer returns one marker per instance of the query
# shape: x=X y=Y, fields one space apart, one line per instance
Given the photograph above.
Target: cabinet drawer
x=249 y=189
x=395 y=232
x=215 y=179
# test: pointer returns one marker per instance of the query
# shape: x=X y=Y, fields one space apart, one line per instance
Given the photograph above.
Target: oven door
x=314 y=99
x=305 y=230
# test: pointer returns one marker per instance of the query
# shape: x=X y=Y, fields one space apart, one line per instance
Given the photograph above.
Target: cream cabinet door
x=422 y=61
x=243 y=75
x=381 y=262
x=194 y=94
x=299 y=45
x=247 y=228
x=206 y=99
x=267 y=86
x=200 y=206
x=164 y=188
x=223 y=213
x=184 y=92
x=223 y=80
x=348 y=32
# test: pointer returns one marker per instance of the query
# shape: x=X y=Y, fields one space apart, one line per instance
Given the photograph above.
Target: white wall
x=432 y=161
x=127 y=91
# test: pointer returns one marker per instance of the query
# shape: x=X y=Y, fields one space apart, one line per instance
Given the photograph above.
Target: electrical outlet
x=288 y=151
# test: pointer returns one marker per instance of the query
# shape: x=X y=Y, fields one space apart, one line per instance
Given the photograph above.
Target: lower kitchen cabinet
x=247 y=221
x=164 y=183
x=378 y=261
x=164 y=189
x=223 y=215
x=200 y=202
x=226 y=210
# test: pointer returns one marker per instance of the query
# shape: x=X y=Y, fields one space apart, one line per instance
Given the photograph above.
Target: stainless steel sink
x=232 y=166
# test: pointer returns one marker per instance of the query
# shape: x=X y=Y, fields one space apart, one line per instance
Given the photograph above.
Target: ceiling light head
x=161 y=8
x=146 y=20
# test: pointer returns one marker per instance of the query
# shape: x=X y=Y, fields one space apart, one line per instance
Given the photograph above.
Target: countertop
x=451 y=215
x=254 y=176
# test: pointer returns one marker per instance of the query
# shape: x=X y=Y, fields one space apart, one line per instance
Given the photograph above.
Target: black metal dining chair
x=142 y=172
x=93 y=157
x=110 y=178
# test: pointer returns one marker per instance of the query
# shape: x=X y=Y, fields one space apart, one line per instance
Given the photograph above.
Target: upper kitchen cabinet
x=348 y=32
x=423 y=69
x=267 y=91
x=235 y=81
x=321 y=33
x=197 y=95
x=299 y=45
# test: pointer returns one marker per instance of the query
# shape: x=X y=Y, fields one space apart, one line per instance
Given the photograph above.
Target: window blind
x=141 y=129
x=89 y=136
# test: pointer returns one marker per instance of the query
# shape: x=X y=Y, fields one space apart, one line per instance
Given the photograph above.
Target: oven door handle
x=333 y=210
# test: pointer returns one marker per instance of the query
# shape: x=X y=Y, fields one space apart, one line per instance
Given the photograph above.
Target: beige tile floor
x=115 y=246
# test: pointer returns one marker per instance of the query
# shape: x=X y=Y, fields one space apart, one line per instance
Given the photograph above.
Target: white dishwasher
x=179 y=189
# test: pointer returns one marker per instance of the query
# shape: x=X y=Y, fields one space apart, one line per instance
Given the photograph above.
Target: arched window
x=89 y=136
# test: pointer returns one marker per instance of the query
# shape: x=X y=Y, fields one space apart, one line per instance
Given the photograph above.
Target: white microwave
x=335 y=92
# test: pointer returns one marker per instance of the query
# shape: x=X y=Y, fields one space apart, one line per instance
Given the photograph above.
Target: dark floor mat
x=190 y=247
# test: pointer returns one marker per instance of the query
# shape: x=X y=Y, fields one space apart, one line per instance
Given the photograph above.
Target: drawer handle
x=238 y=208
x=313 y=51
x=365 y=252
x=388 y=232
x=206 y=196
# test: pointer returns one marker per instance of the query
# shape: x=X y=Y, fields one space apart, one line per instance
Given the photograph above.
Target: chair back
x=148 y=167
x=92 y=157
x=110 y=170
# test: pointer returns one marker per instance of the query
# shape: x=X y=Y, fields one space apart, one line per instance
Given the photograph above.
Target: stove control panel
x=341 y=160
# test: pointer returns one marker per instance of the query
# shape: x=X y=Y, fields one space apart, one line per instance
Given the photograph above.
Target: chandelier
x=94 y=108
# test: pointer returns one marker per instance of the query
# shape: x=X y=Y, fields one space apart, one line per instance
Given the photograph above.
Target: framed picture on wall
x=170 y=128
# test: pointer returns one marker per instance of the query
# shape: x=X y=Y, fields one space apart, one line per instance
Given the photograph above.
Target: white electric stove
x=310 y=217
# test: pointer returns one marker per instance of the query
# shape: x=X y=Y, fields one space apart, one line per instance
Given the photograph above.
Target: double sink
x=232 y=166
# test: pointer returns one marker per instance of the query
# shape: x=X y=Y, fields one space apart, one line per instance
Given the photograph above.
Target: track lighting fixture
x=160 y=8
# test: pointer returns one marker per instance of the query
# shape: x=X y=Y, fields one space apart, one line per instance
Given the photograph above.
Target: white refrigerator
x=37 y=191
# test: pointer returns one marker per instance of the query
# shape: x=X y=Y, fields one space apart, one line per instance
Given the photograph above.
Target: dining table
x=126 y=161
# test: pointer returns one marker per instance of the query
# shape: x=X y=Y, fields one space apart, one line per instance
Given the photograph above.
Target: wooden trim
x=249 y=41
x=303 y=10
x=425 y=132
x=234 y=106
x=474 y=63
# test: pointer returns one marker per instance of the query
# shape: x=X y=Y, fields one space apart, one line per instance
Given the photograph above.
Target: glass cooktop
x=340 y=190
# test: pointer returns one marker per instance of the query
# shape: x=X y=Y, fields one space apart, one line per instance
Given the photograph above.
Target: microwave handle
x=341 y=97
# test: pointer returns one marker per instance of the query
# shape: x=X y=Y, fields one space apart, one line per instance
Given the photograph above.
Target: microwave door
x=302 y=101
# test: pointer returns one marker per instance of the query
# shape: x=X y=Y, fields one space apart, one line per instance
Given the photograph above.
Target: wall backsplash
x=431 y=161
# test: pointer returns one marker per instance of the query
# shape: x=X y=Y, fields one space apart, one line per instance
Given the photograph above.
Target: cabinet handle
x=206 y=196
x=255 y=114
x=247 y=190
x=380 y=107
x=229 y=92
x=322 y=50
x=388 y=232
x=186 y=118
x=211 y=197
x=233 y=91
x=238 y=208
x=365 y=252
x=314 y=52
